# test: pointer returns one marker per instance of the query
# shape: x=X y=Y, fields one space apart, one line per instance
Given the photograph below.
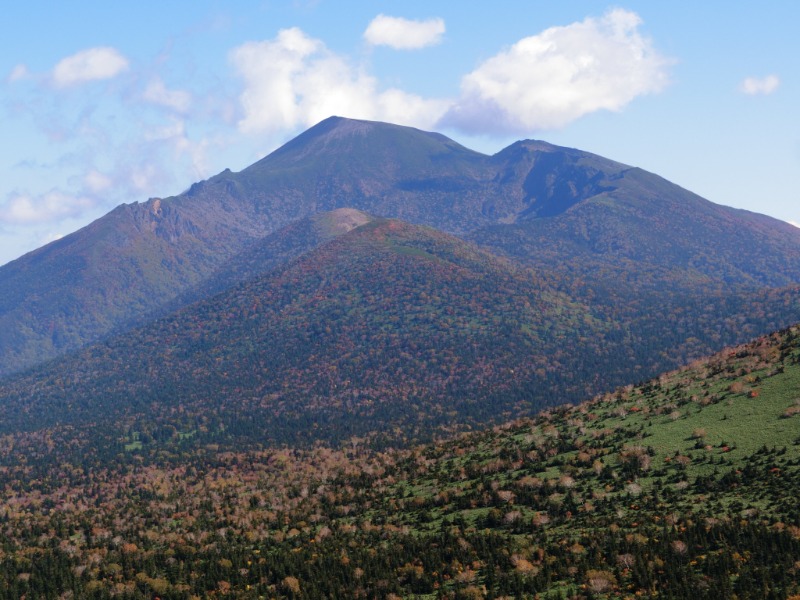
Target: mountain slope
x=277 y=249
x=683 y=487
x=390 y=326
x=641 y=224
x=591 y=220
x=107 y=275
x=390 y=323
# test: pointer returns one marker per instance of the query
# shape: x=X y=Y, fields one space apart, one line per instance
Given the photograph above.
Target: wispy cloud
x=92 y=64
x=24 y=209
x=157 y=93
x=96 y=182
x=295 y=80
x=551 y=79
x=18 y=73
x=404 y=34
x=755 y=86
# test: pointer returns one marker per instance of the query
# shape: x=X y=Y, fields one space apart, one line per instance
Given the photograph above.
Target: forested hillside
x=390 y=327
x=272 y=386
x=683 y=487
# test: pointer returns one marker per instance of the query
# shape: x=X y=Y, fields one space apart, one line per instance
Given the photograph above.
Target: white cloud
x=551 y=79
x=50 y=237
x=89 y=65
x=24 y=209
x=157 y=93
x=795 y=223
x=404 y=34
x=174 y=136
x=141 y=177
x=18 y=73
x=96 y=182
x=753 y=86
x=295 y=80
x=174 y=130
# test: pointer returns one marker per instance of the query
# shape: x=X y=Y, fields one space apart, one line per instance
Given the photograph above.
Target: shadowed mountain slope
x=644 y=225
x=589 y=220
x=390 y=323
x=388 y=326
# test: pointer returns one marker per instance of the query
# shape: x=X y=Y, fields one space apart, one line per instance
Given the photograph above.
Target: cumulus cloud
x=551 y=79
x=404 y=34
x=89 y=65
x=295 y=80
x=24 y=209
x=157 y=93
x=753 y=86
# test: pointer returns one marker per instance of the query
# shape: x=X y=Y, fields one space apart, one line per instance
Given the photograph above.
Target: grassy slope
x=683 y=487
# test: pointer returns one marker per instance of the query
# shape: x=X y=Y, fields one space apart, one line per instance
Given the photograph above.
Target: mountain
x=277 y=249
x=682 y=487
x=388 y=323
x=635 y=224
x=645 y=252
x=590 y=220
x=107 y=275
x=131 y=262
x=380 y=325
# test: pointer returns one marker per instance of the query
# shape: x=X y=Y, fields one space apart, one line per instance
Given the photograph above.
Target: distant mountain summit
x=558 y=209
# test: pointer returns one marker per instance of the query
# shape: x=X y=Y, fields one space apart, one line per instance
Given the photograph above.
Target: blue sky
x=109 y=102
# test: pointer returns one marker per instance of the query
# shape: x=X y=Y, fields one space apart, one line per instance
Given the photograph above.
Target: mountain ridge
x=550 y=207
x=386 y=324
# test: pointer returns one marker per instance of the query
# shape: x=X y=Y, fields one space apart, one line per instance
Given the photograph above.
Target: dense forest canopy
x=682 y=487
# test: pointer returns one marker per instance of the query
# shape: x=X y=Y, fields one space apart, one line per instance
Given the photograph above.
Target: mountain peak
x=342 y=126
x=335 y=129
x=358 y=139
x=143 y=257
